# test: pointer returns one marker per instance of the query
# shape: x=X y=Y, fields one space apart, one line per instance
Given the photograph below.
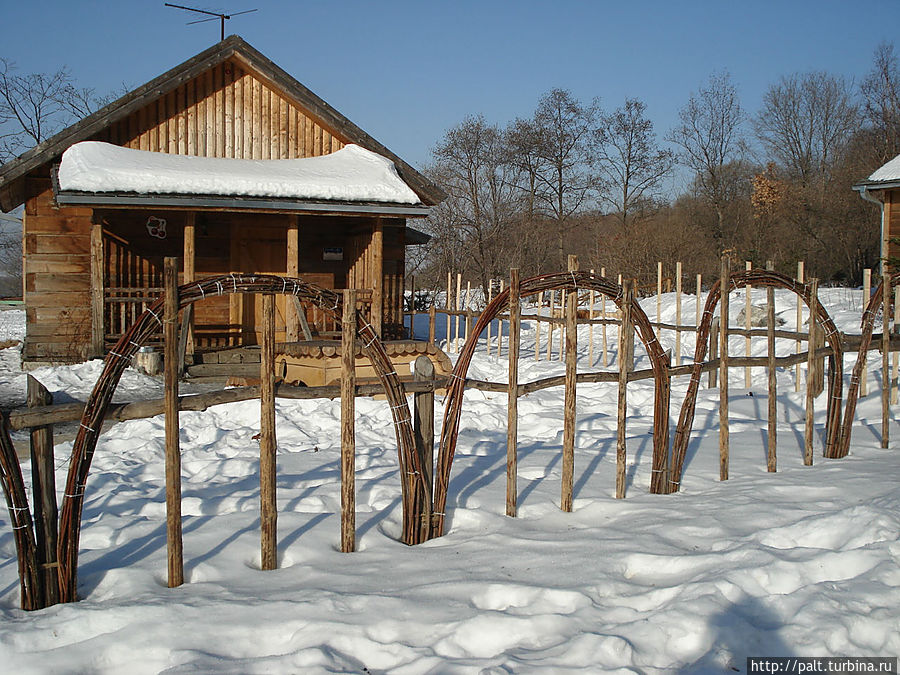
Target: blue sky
x=408 y=71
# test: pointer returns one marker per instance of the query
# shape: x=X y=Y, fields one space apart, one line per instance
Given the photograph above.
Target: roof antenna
x=215 y=15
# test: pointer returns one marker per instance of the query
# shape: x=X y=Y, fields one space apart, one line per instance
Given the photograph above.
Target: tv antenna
x=213 y=16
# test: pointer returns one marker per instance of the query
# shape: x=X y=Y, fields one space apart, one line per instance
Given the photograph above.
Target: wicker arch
x=414 y=494
x=572 y=282
x=868 y=327
x=757 y=278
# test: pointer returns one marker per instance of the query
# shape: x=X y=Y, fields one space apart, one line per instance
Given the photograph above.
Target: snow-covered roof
x=352 y=174
x=888 y=172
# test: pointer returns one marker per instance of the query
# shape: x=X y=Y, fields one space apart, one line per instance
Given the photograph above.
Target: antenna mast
x=214 y=15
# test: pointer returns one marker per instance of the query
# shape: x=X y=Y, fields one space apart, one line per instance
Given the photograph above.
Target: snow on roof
x=351 y=174
x=890 y=171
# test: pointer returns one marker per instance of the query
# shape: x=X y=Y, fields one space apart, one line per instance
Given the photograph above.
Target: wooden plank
x=97 y=328
x=268 y=512
x=725 y=286
x=51 y=283
x=43 y=481
x=174 y=544
x=50 y=243
x=348 y=423
x=512 y=396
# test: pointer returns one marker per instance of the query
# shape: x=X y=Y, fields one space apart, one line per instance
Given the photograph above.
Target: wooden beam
x=268 y=512
x=97 y=331
x=293 y=270
x=348 y=423
x=174 y=545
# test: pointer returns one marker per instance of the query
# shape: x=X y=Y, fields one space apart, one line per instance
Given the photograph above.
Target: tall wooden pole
x=771 y=459
x=678 y=313
x=568 y=461
x=725 y=277
x=800 y=278
x=625 y=336
x=378 y=281
x=810 y=368
x=268 y=512
x=512 y=396
x=189 y=275
x=885 y=359
x=292 y=267
x=174 y=545
x=748 y=324
x=97 y=291
x=348 y=423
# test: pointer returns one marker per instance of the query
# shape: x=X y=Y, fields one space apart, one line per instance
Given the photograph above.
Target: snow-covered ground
x=802 y=562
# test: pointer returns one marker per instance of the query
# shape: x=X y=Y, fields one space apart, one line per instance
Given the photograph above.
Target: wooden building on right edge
x=883 y=188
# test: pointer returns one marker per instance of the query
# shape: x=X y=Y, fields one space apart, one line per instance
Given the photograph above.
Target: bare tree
x=880 y=92
x=630 y=163
x=564 y=127
x=709 y=139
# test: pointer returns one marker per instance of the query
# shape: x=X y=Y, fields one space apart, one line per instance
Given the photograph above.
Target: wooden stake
x=591 y=327
x=268 y=511
x=550 y=324
x=188 y=276
x=771 y=460
x=603 y=316
x=378 y=271
x=292 y=266
x=174 y=545
x=458 y=308
x=800 y=278
x=432 y=316
x=894 y=367
x=512 y=396
x=678 y=313
x=423 y=425
x=626 y=332
x=97 y=291
x=467 y=310
x=447 y=304
x=490 y=296
x=885 y=359
x=867 y=295
x=659 y=286
x=500 y=325
x=810 y=367
x=348 y=423
x=714 y=337
x=725 y=277
x=568 y=460
x=537 y=326
x=43 y=481
x=748 y=324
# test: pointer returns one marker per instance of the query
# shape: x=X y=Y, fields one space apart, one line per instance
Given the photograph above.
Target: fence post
x=568 y=460
x=867 y=295
x=174 y=545
x=800 y=279
x=625 y=336
x=725 y=277
x=678 y=313
x=43 y=481
x=771 y=460
x=268 y=511
x=512 y=396
x=348 y=422
x=423 y=425
x=894 y=366
x=432 y=315
x=810 y=367
x=714 y=337
x=748 y=324
x=885 y=359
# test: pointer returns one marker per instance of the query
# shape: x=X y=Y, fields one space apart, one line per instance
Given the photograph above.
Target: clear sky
x=407 y=71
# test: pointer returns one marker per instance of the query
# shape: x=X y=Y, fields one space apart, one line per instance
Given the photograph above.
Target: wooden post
x=97 y=291
x=568 y=460
x=500 y=327
x=432 y=316
x=699 y=307
x=348 y=423
x=603 y=316
x=512 y=396
x=268 y=512
x=771 y=459
x=678 y=313
x=725 y=276
x=550 y=325
x=378 y=272
x=591 y=327
x=537 y=326
x=458 y=308
x=188 y=276
x=467 y=310
x=174 y=544
x=867 y=295
x=748 y=324
x=292 y=327
x=885 y=359
x=490 y=299
x=800 y=278
x=43 y=481
x=810 y=367
x=659 y=285
x=447 y=306
x=423 y=425
x=626 y=333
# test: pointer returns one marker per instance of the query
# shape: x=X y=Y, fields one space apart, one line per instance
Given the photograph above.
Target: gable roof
x=884 y=178
x=12 y=174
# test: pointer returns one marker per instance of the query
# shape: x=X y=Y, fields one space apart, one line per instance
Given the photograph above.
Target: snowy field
x=803 y=562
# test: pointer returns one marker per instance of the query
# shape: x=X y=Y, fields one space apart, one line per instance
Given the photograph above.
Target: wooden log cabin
x=92 y=258
x=883 y=189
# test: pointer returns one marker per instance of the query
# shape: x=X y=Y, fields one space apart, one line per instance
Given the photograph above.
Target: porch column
x=293 y=270
x=378 y=276
x=97 y=290
x=189 y=273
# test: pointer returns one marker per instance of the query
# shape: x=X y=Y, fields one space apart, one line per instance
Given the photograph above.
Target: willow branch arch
x=868 y=327
x=570 y=282
x=415 y=497
x=757 y=278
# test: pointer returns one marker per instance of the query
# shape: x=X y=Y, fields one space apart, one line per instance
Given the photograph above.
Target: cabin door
x=262 y=251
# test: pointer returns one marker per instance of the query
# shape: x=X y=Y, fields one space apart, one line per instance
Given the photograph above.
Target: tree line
x=573 y=177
